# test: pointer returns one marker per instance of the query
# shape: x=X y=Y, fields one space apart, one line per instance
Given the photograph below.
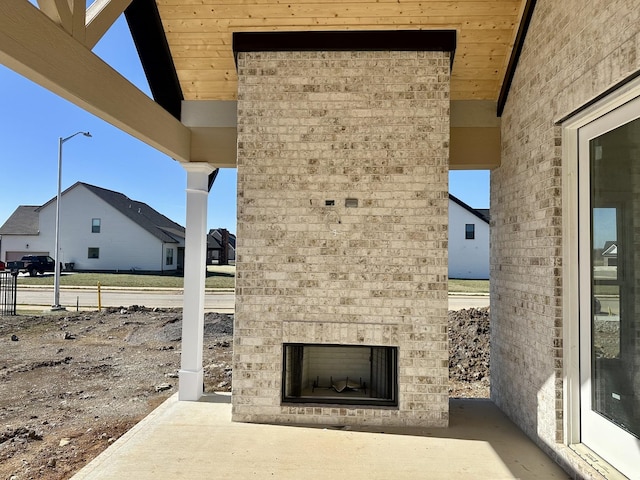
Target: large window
x=95 y=225
x=609 y=294
x=93 y=252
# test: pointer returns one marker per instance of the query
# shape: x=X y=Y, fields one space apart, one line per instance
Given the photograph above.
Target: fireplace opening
x=340 y=374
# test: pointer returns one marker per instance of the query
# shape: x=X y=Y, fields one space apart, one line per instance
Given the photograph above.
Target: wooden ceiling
x=199 y=33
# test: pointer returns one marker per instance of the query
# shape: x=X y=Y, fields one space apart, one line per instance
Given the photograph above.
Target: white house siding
x=468 y=259
x=15 y=246
x=574 y=51
x=123 y=244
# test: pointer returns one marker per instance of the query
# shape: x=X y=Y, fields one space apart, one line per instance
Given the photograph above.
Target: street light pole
x=56 y=282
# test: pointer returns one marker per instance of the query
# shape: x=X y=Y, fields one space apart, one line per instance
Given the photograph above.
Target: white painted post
x=195 y=256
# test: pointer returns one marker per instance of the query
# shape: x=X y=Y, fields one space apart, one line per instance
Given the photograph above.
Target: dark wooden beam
x=527 y=14
x=350 y=40
x=153 y=49
x=212 y=177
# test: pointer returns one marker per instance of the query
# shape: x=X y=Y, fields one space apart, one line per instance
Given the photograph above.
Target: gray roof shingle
x=24 y=221
x=214 y=239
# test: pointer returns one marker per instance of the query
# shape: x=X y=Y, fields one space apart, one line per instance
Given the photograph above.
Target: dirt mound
x=469 y=352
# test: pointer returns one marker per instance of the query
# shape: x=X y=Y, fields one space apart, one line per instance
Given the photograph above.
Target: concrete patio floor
x=189 y=440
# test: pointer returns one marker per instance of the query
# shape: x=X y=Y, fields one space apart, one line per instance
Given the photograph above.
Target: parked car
x=34 y=264
x=2 y=265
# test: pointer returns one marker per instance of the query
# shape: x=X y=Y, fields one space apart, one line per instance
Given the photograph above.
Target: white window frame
x=570 y=261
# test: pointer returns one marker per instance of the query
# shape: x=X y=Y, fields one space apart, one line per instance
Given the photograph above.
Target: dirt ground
x=72 y=383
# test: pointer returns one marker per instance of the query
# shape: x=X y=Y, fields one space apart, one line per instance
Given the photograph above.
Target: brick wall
x=574 y=51
x=317 y=126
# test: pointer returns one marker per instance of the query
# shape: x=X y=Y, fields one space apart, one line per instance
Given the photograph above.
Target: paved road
x=88 y=298
x=458 y=302
x=214 y=302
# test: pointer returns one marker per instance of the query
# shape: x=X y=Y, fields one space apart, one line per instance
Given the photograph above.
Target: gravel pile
x=469 y=346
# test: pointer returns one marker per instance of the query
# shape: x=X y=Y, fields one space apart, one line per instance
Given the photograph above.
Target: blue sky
x=32 y=119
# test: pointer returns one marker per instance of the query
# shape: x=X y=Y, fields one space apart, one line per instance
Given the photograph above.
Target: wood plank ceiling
x=199 y=35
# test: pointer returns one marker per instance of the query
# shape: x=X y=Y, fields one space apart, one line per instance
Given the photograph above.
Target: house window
x=94 y=252
x=169 y=259
x=95 y=225
x=470 y=231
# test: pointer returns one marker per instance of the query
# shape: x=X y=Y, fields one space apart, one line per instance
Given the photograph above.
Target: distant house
x=468 y=241
x=100 y=230
x=610 y=254
x=217 y=239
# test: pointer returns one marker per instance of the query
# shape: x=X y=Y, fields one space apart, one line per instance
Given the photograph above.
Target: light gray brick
x=329 y=126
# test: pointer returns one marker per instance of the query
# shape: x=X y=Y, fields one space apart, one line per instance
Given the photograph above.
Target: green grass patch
x=217 y=277
x=606 y=290
x=468 y=286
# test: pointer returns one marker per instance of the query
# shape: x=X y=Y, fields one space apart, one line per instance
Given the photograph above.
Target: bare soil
x=72 y=383
x=469 y=353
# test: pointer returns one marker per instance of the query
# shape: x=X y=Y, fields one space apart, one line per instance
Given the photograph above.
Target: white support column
x=195 y=257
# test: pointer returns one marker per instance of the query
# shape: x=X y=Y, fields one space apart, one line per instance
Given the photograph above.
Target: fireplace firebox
x=340 y=374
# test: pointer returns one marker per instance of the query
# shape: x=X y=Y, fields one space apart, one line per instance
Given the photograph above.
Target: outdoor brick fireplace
x=341 y=287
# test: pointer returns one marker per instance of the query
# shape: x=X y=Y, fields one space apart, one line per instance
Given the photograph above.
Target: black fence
x=8 y=291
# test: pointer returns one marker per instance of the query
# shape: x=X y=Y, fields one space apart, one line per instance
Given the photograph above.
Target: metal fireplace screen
x=340 y=374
